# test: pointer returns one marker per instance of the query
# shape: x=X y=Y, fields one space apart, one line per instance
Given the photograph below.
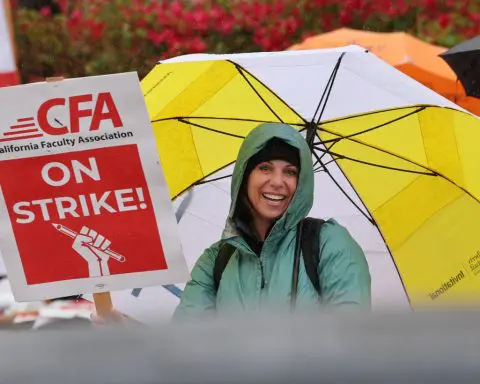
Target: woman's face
x=270 y=188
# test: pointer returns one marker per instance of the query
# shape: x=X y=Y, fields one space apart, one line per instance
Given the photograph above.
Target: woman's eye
x=264 y=167
x=291 y=172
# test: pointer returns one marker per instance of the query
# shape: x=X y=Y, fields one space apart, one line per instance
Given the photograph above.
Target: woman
x=271 y=192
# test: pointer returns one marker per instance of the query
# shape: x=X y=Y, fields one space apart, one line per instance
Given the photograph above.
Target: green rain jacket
x=343 y=270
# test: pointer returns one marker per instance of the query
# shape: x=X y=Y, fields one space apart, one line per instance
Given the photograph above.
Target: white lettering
x=62 y=207
x=55 y=183
x=66 y=205
x=43 y=206
x=83 y=205
x=121 y=200
x=17 y=208
x=79 y=168
x=100 y=203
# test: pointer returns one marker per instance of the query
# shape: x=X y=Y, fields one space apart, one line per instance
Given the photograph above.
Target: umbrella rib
x=242 y=71
x=210 y=129
x=210 y=180
x=432 y=172
x=323 y=123
x=256 y=92
x=375 y=127
x=327 y=90
x=370 y=219
x=203 y=177
x=380 y=150
x=342 y=157
x=336 y=140
x=324 y=165
x=221 y=118
x=311 y=127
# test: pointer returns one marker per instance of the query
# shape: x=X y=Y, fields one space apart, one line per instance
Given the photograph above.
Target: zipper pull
x=261 y=271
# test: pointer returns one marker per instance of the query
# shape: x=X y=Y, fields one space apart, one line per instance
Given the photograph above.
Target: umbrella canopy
x=395 y=162
x=464 y=59
x=414 y=57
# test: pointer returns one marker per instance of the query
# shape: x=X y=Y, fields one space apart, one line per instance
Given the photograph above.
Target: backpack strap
x=310 y=244
x=223 y=257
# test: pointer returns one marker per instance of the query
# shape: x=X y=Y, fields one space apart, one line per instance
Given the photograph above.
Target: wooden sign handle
x=103 y=304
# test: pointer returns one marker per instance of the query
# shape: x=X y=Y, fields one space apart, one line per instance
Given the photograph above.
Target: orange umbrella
x=412 y=56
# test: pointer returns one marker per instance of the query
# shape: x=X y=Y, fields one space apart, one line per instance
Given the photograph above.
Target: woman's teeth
x=273 y=197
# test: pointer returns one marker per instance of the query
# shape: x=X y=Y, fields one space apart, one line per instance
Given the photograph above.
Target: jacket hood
x=301 y=202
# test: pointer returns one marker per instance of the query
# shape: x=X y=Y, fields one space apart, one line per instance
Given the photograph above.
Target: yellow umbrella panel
x=417 y=171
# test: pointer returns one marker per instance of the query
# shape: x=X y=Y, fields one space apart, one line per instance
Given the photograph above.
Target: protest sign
x=84 y=207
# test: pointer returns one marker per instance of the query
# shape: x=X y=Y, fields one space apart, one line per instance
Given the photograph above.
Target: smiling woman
x=270 y=180
x=271 y=194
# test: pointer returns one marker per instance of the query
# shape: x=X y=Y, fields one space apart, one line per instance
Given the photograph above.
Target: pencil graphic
x=70 y=233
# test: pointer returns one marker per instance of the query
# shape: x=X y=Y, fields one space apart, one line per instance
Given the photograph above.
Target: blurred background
x=74 y=38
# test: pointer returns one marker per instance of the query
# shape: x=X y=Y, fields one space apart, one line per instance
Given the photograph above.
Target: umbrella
x=464 y=59
x=395 y=162
x=414 y=57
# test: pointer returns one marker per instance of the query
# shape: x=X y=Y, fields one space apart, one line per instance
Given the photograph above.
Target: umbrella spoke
x=369 y=218
x=377 y=149
x=211 y=180
x=200 y=180
x=376 y=112
x=327 y=91
x=375 y=127
x=428 y=171
x=210 y=129
x=240 y=70
x=342 y=157
x=188 y=118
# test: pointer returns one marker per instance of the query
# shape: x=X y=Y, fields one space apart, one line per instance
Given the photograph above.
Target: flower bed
x=107 y=36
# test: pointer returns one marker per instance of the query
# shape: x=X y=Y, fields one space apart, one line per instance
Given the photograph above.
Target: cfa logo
x=80 y=107
x=91 y=110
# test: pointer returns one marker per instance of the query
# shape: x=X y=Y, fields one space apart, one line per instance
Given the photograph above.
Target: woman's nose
x=276 y=178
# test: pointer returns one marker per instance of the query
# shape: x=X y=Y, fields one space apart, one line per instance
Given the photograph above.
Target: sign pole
x=103 y=304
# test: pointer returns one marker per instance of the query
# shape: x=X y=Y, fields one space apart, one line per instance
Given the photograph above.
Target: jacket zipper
x=261 y=270
x=263 y=282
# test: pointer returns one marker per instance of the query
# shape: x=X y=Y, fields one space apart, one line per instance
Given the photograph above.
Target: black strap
x=221 y=261
x=310 y=239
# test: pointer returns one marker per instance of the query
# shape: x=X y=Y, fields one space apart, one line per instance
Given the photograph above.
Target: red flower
x=45 y=11
x=327 y=21
x=226 y=25
x=444 y=20
x=140 y=23
x=76 y=16
x=475 y=17
x=176 y=8
x=259 y=10
x=199 y=19
x=96 y=29
x=196 y=45
x=346 y=16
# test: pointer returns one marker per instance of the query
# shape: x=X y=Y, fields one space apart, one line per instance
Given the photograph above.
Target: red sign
x=82 y=205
